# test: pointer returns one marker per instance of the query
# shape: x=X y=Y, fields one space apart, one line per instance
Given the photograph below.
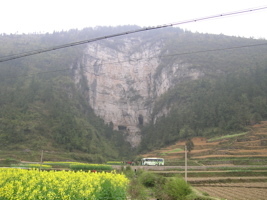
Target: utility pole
x=185 y=167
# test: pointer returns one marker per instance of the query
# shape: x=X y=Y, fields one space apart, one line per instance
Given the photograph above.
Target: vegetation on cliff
x=41 y=107
x=209 y=107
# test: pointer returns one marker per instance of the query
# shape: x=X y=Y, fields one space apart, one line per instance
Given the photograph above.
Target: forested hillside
x=41 y=108
x=209 y=107
x=230 y=96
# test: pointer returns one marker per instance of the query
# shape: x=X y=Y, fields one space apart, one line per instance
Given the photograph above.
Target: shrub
x=176 y=188
x=137 y=191
x=149 y=179
x=128 y=172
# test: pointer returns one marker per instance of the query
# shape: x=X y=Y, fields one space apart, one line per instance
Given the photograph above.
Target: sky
x=42 y=16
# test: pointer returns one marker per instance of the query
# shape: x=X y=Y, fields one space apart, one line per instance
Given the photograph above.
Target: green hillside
x=42 y=109
x=209 y=107
x=230 y=96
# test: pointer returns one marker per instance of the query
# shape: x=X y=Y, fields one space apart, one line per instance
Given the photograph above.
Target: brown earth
x=235 y=191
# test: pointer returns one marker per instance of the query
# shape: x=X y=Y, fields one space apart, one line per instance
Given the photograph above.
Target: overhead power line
x=148 y=58
x=34 y=52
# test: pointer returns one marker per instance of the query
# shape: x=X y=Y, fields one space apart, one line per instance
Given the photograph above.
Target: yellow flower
x=32 y=184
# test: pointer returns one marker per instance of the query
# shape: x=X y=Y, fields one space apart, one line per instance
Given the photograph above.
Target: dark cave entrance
x=122 y=128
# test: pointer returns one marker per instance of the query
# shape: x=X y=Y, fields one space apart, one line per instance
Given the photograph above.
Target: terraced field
x=222 y=150
x=235 y=191
x=213 y=159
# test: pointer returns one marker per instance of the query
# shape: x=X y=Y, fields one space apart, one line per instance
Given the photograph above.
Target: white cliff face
x=123 y=84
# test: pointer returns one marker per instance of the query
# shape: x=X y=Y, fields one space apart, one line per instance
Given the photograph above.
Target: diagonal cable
x=34 y=52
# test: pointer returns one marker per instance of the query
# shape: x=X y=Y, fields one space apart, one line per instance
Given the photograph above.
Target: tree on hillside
x=189 y=145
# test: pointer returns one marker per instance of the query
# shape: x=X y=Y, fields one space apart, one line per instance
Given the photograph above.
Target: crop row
x=31 y=166
x=86 y=167
x=235 y=191
x=80 y=166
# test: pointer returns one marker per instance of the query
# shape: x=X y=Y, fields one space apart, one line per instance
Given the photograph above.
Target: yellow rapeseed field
x=21 y=184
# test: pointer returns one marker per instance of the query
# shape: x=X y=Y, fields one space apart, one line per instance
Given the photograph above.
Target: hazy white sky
x=29 y=16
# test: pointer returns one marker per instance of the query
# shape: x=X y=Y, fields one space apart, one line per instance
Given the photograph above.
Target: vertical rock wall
x=123 y=84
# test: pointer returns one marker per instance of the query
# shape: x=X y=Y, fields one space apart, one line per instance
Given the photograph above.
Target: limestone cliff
x=124 y=77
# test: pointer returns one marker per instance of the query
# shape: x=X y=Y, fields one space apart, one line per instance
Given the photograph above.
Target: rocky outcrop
x=124 y=77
